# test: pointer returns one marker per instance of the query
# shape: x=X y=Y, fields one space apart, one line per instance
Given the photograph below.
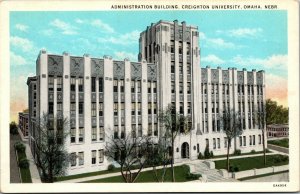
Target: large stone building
x=102 y=96
x=23 y=123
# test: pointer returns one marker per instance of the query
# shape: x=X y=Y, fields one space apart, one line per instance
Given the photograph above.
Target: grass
x=262 y=175
x=242 y=154
x=252 y=162
x=25 y=172
x=64 y=178
x=181 y=173
x=280 y=142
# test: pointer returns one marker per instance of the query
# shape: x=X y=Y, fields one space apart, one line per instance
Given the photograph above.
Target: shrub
x=253 y=151
x=20 y=147
x=285 y=158
x=13 y=129
x=206 y=153
x=191 y=176
x=236 y=168
x=200 y=156
x=231 y=169
x=211 y=154
x=23 y=163
x=237 y=152
x=110 y=167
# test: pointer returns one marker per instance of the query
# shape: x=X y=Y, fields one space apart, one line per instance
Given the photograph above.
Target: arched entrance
x=185 y=151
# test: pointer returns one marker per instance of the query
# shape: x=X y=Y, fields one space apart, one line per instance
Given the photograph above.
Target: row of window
x=180 y=67
x=188 y=87
x=225 y=88
x=81 y=132
x=78 y=159
x=180 y=47
x=241 y=107
x=136 y=131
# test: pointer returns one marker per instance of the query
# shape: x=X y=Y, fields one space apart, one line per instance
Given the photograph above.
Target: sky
x=253 y=39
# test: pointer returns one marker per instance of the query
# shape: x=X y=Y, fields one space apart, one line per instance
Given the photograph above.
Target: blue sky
x=243 y=39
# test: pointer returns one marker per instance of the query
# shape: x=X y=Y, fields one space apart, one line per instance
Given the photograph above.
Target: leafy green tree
x=174 y=123
x=276 y=114
x=232 y=127
x=13 y=128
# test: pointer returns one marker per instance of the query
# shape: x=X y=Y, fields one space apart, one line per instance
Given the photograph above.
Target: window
x=34 y=87
x=198 y=148
x=188 y=87
x=180 y=49
x=93 y=84
x=154 y=87
x=122 y=109
x=149 y=108
x=172 y=67
x=73 y=159
x=80 y=107
x=149 y=87
x=139 y=109
x=122 y=86
x=250 y=140
x=219 y=143
x=213 y=125
x=244 y=139
x=115 y=109
x=205 y=107
x=172 y=87
x=154 y=108
x=94 y=109
x=80 y=84
x=50 y=107
x=93 y=156
x=150 y=129
x=73 y=135
x=139 y=86
x=241 y=141
x=214 y=143
x=50 y=83
x=101 y=84
x=212 y=88
x=73 y=108
x=188 y=68
x=81 y=134
x=189 y=111
x=34 y=95
x=116 y=132
x=133 y=108
x=81 y=158
x=180 y=87
x=225 y=142
x=115 y=85
x=132 y=86
x=59 y=84
x=155 y=130
x=259 y=139
x=133 y=131
x=94 y=134
x=188 y=45
x=100 y=109
x=59 y=107
x=122 y=132
x=101 y=135
x=140 y=131
x=207 y=142
x=101 y=155
x=180 y=68
x=172 y=46
x=253 y=139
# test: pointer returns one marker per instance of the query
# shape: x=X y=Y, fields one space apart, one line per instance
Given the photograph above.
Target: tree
x=174 y=123
x=276 y=114
x=52 y=157
x=261 y=119
x=130 y=153
x=232 y=127
x=13 y=128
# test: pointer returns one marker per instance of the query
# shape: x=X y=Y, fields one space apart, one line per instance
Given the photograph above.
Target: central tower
x=174 y=48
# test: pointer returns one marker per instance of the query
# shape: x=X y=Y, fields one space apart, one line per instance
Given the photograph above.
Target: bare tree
x=130 y=152
x=174 y=123
x=232 y=127
x=52 y=157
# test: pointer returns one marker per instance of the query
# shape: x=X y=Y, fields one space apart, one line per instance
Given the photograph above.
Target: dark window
x=50 y=107
x=122 y=85
x=80 y=107
x=154 y=87
x=100 y=84
x=172 y=67
x=93 y=84
x=80 y=84
x=73 y=84
x=115 y=85
x=133 y=86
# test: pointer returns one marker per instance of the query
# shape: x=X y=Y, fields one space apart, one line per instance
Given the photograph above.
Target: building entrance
x=185 y=152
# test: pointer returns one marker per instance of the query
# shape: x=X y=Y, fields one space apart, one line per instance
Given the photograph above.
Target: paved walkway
x=14 y=169
x=35 y=176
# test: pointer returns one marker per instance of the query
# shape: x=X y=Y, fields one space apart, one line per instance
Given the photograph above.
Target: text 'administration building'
x=102 y=96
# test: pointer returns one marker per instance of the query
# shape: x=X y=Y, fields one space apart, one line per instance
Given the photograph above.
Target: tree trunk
x=228 y=147
x=172 y=160
x=264 y=147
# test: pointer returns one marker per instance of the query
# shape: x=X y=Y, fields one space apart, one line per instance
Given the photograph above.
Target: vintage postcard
x=196 y=96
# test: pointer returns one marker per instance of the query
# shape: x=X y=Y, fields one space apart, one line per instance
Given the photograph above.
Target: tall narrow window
x=73 y=135
x=81 y=134
x=73 y=159
x=139 y=86
x=241 y=141
x=93 y=156
x=100 y=109
x=133 y=86
x=122 y=86
x=81 y=107
x=180 y=68
x=93 y=84
x=140 y=131
x=122 y=132
x=253 y=139
x=154 y=87
x=219 y=143
x=94 y=110
x=133 y=108
x=244 y=140
x=50 y=83
x=81 y=158
x=50 y=107
x=133 y=131
x=139 y=109
x=172 y=46
x=115 y=109
x=172 y=87
x=188 y=47
x=180 y=87
x=172 y=67
x=94 y=134
x=80 y=84
x=225 y=142
x=189 y=111
x=101 y=133
x=115 y=85
x=73 y=108
x=155 y=130
x=73 y=84
x=181 y=107
x=214 y=143
x=188 y=87
x=154 y=108
x=149 y=109
x=101 y=84
x=59 y=84
x=101 y=155
x=149 y=129
x=116 y=132
x=149 y=87
x=250 y=140
x=122 y=109
x=188 y=68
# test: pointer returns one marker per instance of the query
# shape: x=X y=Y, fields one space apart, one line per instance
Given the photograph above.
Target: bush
x=237 y=152
x=206 y=153
x=13 y=128
x=20 y=147
x=23 y=163
x=200 y=156
x=191 y=176
x=253 y=151
x=211 y=154
x=111 y=167
x=234 y=168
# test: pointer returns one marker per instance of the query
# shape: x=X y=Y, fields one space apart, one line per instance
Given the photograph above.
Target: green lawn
x=25 y=172
x=248 y=163
x=280 y=142
x=181 y=173
x=242 y=154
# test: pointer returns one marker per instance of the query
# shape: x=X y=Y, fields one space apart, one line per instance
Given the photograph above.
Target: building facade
x=106 y=96
x=23 y=123
x=278 y=130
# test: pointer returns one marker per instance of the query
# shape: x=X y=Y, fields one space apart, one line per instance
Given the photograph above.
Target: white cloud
x=103 y=26
x=21 y=27
x=124 y=39
x=17 y=59
x=122 y=55
x=245 y=32
x=271 y=62
x=79 y=21
x=213 y=59
x=47 y=32
x=22 y=43
x=217 y=43
x=64 y=27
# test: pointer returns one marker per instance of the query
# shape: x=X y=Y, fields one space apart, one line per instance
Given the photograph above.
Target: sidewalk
x=14 y=168
x=35 y=176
